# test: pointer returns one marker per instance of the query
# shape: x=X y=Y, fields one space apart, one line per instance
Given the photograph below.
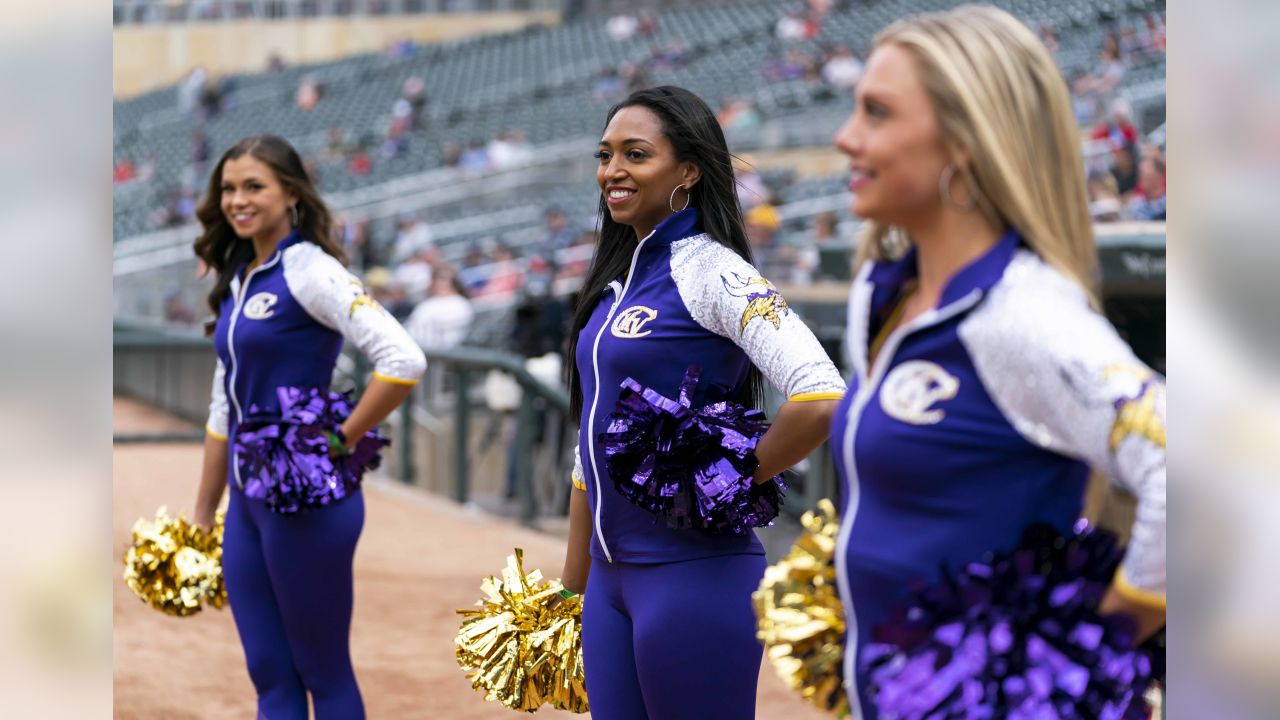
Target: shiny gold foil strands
x=800 y=618
x=522 y=644
x=174 y=566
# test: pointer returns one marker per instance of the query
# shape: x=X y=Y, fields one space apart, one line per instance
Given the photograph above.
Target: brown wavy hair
x=222 y=250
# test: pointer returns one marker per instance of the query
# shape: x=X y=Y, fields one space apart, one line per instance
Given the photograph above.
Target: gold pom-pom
x=522 y=645
x=801 y=620
x=174 y=566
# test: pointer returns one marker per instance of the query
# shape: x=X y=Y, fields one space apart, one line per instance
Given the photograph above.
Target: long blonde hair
x=1000 y=97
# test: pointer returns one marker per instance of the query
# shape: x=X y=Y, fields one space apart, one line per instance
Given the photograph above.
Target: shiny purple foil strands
x=691 y=468
x=285 y=459
x=1017 y=636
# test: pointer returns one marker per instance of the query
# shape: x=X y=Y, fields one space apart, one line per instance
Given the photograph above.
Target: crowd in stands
x=409 y=274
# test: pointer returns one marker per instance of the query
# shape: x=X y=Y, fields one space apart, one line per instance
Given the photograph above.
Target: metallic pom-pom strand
x=285 y=459
x=1015 y=636
x=690 y=468
x=800 y=618
x=522 y=644
x=174 y=566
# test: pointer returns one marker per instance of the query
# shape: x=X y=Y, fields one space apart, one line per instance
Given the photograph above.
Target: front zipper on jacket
x=619 y=294
x=231 y=350
x=869 y=381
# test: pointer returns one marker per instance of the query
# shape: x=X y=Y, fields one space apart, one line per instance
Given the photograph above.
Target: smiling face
x=894 y=142
x=638 y=170
x=254 y=201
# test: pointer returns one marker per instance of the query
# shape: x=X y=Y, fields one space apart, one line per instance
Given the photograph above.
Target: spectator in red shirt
x=1118 y=130
x=123 y=172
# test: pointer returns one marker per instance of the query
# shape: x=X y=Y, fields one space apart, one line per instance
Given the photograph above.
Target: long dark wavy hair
x=218 y=245
x=695 y=134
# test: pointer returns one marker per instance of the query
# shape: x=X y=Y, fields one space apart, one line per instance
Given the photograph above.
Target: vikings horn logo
x=763 y=299
x=362 y=298
x=1137 y=413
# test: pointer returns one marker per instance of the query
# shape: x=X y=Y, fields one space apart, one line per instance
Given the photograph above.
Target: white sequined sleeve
x=1063 y=377
x=337 y=300
x=218 y=409
x=577 y=477
x=729 y=297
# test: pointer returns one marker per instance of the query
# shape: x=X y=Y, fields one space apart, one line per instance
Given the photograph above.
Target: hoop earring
x=295 y=215
x=671 y=201
x=944 y=189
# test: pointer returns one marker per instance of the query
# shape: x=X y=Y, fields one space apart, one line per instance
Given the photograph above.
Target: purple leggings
x=672 y=641
x=289 y=581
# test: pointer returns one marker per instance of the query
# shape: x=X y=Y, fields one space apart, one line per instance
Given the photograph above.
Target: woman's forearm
x=380 y=399
x=577 y=555
x=798 y=429
x=213 y=481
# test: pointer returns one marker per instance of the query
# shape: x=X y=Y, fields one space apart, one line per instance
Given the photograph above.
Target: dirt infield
x=420 y=558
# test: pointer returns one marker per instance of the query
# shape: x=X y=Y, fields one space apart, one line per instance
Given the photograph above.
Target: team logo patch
x=911 y=390
x=1137 y=413
x=763 y=299
x=628 y=323
x=362 y=299
x=260 y=306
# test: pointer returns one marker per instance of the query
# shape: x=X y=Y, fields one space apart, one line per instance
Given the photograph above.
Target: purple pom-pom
x=692 y=468
x=285 y=459
x=1017 y=636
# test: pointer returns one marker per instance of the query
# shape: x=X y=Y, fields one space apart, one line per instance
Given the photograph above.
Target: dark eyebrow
x=630 y=140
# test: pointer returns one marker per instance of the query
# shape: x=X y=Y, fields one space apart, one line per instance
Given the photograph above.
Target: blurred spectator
x=177 y=311
x=1118 y=130
x=1104 y=198
x=414 y=274
x=646 y=24
x=360 y=163
x=1049 y=36
x=1084 y=100
x=335 y=147
x=1154 y=35
x=671 y=57
x=443 y=319
x=353 y=235
x=474 y=157
x=790 y=27
x=275 y=64
x=1110 y=70
x=607 y=87
x=558 y=234
x=1150 y=201
x=762 y=224
x=402 y=49
x=635 y=77
x=124 y=171
x=739 y=114
x=200 y=151
x=1125 y=170
x=622 y=26
x=309 y=93
x=842 y=70
x=397 y=140
x=509 y=148
x=475 y=270
x=383 y=288
x=210 y=99
x=412 y=236
x=450 y=154
x=1130 y=45
x=506 y=277
x=751 y=188
x=414 y=92
x=189 y=90
x=147 y=169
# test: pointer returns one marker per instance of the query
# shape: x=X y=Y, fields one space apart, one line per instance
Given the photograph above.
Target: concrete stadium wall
x=146 y=57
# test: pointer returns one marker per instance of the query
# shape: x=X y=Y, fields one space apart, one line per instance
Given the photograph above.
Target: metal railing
x=445 y=436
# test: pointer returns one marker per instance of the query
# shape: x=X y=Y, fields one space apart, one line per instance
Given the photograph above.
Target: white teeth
x=619 y=194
